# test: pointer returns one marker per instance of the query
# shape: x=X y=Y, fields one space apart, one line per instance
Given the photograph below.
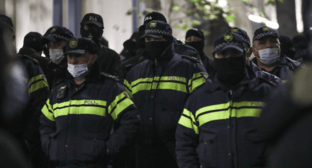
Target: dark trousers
x=160 y=155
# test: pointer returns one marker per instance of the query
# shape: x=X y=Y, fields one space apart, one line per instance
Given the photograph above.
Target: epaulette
x=193 y=59
x=109 y=76
x=270 y=78
x=31 y=58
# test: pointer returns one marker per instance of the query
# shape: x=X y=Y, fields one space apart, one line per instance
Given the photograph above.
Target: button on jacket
x=77 y=119
x=160 y=88
x=217 y=127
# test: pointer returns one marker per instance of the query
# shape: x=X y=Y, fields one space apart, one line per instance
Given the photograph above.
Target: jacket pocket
x=256 y=149
x=52 y=148
x=207 y=151
x=93 y=146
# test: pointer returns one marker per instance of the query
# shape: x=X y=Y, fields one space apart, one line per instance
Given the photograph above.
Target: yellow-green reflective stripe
x=49 y=105
x=173 y=78
x=35 y=78
x=224 y=106
x=188 y=121
x=128 y=88
x=37 y=85
x=78 y=110
x=45 y=111
x=141 y=80
x=86 y=102
x=196 y=81
x=120 y=107
x=141 y=87
x=222 y=115
x=115 y=102
x=171 y=86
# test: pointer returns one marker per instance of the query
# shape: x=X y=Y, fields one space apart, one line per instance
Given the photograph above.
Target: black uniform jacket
x=217 y=127
x=77 y=120
x=27 y=124
x=160 y=88
x=285 y=68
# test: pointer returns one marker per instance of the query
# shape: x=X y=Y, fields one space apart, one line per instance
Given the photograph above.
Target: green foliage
x=176 y=7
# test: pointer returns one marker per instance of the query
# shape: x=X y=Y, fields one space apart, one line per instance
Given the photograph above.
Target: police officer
x=56 y=38
x=159 y=87
x=179 y=46
x=266 y=48
x=217 y=126
x=258 y=71
x=32 y=47
x=92 y=27
x=78 y=117
x=25 y=127
x=196 y=39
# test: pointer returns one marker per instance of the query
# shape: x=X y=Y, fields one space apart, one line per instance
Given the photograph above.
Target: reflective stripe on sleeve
x=128 y=87
x=196 y=81
x=187 y=119
x=120 y=103
x=47 y=111
x=37 y=83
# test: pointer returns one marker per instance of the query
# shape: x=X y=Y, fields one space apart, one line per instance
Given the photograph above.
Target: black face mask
x=198 y=45
x=230 y=71
x=154 y=49
x=95 y=31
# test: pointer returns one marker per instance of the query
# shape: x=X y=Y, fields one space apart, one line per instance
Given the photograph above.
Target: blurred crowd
x=69 y=102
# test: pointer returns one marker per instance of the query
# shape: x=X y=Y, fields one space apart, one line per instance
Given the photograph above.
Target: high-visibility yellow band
x=78 y=107
x=196 y=81
x=79 y=110
x=128 y=88
x=226 y=114
x=120 y=107
x=116 y=101
x=35 y=78
x=141 y=80
x=141 y=87
x=46 y=111
x=187 y=119
x=225 y=106
x=171 y=86
x=37 y=85
x=84 y=102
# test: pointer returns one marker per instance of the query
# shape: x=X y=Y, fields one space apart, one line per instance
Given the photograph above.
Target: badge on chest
x=62 y=92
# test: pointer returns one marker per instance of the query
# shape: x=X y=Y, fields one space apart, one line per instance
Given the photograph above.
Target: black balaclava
x=155 y=49
x=198 y=45
x=230 y=71
x=95 y=31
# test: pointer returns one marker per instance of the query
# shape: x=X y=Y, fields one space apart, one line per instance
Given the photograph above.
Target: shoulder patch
x=193 y=59
x=109 y=76
x=31 y=58
x=205 y=74
x=272 y=79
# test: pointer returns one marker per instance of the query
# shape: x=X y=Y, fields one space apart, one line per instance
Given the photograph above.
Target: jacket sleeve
x=187 y=139
x=47 y=125
x=198 y=77
x=125 y=115
x=128 y=87
x=38 y=91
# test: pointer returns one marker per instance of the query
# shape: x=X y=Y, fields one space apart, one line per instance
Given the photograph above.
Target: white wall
x=118 y=25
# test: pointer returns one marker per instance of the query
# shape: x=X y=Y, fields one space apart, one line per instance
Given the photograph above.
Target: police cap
x=57 y=33
x=33 y=40
x=80 y=46
x=228 y=40
x=92 y=18
x=264 y=32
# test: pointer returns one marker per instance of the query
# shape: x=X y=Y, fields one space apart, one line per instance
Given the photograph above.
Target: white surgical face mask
x=56 y=55
x=79 y=70
x=269 y=56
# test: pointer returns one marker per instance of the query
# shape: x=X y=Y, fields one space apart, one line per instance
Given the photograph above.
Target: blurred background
x=123 y=17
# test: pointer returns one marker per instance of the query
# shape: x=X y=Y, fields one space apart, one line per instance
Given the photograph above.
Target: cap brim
x=272 y=35
x=75 y=52
x=95 y=23
x=230 y=46
x=47 y=39
x=151 y=35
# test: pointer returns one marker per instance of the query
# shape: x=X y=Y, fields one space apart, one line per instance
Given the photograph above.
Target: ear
x=93 y=58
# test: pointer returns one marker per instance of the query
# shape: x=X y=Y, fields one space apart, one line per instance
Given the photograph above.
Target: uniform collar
x=214 y=84
x=166 y=56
